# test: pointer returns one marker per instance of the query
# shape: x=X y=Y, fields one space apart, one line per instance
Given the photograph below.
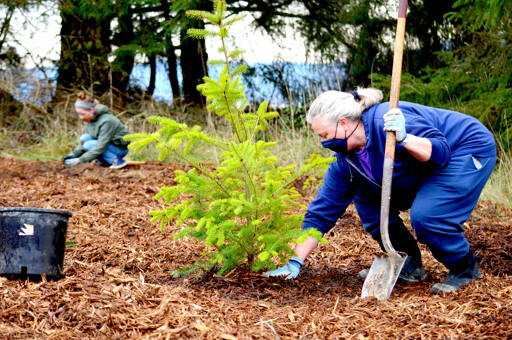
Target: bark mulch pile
x=117 y=281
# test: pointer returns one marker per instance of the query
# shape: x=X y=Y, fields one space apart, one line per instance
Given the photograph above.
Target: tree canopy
x=457 y=53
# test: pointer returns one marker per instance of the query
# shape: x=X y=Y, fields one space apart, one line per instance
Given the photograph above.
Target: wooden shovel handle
x=389 y=152
x=396 y=73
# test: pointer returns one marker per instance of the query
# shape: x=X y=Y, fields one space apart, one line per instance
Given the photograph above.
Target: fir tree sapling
x=241 y=207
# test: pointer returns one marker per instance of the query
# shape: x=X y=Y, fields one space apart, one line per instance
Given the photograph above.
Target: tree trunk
x=152 y=75
x=170 y=53
x=85 y=47
x=124 y=61
x=193 y=66
x=6 y=25
x=172 y=62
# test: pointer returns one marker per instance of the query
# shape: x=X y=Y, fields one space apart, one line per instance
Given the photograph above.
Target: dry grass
x=499 y=186
x=34 y=132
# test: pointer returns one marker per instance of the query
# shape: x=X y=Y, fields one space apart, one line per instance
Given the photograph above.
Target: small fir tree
x=241 y=207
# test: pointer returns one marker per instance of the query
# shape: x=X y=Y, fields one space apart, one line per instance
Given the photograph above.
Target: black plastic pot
x=32 y=241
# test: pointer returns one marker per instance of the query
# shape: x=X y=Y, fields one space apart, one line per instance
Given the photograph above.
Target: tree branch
x=5 y=25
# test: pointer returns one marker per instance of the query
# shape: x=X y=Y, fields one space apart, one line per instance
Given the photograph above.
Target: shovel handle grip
x=398 y=55
x=389 y=152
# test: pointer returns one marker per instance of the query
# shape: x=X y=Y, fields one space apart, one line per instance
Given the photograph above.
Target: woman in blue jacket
x=443 y=160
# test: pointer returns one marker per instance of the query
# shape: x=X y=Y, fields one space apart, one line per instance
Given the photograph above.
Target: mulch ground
x=117 y=281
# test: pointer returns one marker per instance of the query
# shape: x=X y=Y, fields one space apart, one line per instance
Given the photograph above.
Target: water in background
x=280 y=83
x=32 y=86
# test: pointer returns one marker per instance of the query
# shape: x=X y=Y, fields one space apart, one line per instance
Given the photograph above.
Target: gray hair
x=334 y=105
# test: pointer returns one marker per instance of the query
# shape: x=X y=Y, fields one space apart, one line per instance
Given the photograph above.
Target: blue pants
x=110 y=154
x=441 y=205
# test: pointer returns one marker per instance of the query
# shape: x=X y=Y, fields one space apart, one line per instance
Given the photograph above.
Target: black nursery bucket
x=32 y=241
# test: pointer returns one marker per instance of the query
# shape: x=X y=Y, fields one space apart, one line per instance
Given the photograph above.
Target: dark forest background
x=457 y=55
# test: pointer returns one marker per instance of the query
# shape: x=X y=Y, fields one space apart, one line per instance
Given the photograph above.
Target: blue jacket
x=451 y=133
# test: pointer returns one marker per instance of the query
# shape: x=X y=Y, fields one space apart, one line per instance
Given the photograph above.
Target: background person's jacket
x=106 y=128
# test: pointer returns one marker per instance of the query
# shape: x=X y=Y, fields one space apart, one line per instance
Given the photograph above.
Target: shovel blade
x=383 y=274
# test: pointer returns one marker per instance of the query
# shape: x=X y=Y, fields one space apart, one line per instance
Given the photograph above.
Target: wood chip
x=117 y=286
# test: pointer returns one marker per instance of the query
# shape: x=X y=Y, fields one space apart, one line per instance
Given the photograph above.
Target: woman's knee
x=419 y=221
x=85 y=137
x=88 y=145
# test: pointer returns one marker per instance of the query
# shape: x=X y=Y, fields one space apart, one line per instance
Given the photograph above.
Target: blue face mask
x=339 y=145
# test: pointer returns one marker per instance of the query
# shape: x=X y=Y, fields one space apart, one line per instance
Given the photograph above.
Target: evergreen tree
x=85 y=45
x=89 y=38
x=241 y=208
x=477 y=78
x=357 y=32
x=194 y=57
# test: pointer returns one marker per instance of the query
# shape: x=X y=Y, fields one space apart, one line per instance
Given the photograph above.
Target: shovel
x=387 y=266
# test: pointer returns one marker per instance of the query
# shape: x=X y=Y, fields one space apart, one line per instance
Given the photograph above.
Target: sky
x=33 y=37
x=42 y=45
x=260 y=47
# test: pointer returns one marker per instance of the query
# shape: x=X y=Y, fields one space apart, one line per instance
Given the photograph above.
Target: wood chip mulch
x=117 y=281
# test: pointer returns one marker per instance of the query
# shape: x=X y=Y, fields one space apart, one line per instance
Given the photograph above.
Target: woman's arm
x=304 y=249
x=419 y=147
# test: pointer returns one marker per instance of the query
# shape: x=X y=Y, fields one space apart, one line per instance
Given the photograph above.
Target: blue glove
x=290 y=270
x=394 y=121
x=69 y=156
x=71 y=162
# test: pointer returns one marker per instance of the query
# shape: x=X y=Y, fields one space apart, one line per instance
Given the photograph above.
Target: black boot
x=412 y=271
x=403 y=241
x=460 y=274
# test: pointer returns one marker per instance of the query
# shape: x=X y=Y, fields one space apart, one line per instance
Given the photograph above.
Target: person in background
x=443 y=160
x=103 y=138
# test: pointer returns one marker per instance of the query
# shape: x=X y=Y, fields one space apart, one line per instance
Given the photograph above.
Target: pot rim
x=36 y=210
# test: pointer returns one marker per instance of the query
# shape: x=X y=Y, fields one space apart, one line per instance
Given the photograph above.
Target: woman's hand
x=291 y=270
x=394 y=121
x=67 y=157
x=420 y=148
x=71 y=162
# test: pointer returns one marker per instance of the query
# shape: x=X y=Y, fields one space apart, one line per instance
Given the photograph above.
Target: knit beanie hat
x=84 y=104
